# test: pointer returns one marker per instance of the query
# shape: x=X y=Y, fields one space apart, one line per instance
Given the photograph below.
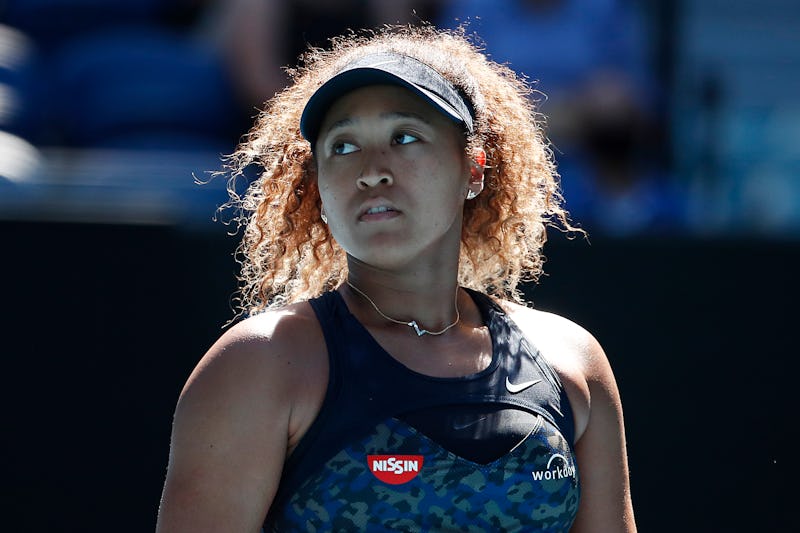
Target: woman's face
x=392 y=175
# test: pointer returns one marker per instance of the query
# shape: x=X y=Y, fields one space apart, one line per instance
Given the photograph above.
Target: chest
x=467 y=353
x=381 y=454
x=396 y=478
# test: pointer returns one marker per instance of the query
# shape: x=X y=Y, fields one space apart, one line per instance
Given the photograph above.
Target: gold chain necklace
x=413 y=324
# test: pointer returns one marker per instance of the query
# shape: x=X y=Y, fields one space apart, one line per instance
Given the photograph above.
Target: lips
x=378 y=210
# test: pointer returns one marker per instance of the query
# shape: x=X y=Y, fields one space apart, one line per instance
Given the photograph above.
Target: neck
x=429 y=300
x=419 y=329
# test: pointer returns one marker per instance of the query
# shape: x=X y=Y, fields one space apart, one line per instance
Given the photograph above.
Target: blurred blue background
x=667 y=117
x=676 y=127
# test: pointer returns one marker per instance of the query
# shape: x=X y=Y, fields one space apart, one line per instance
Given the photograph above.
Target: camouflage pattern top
x=381 y=456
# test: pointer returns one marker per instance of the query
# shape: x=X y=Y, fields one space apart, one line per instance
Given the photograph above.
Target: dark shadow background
x=102 y=325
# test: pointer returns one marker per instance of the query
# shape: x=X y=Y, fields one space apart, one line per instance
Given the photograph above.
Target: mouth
x=379 y=212
x=379 y=209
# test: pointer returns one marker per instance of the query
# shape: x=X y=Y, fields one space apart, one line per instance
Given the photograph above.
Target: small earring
x=471 y=194
x=480 y=158
x=324 y=217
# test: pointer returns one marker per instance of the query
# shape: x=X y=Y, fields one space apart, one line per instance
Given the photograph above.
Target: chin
x=384 y=258
x=397 y=250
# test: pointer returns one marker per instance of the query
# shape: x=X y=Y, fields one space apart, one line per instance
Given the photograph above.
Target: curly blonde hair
x=287 y=253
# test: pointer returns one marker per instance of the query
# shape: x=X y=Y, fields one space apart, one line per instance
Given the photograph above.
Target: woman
x=389 y=376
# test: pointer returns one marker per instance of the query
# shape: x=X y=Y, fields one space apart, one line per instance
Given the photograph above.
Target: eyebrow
x=390 y=115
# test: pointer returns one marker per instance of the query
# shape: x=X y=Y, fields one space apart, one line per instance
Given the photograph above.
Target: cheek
x=330 y=204
x=326 y=184
x=448 y=178
x=444 y=195
x=333 y=180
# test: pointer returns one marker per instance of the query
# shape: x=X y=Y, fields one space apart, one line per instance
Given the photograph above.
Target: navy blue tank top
x=372 y=460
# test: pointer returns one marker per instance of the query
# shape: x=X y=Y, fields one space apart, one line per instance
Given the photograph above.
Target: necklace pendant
x=420 y=332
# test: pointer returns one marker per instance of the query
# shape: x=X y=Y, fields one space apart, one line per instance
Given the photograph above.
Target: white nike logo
x=458 y=426
x=519 y=387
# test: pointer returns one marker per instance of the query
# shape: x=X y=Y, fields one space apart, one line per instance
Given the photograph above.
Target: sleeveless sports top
x=365 y=464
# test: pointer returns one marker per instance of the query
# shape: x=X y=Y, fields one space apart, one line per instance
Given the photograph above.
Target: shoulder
x=269 y=341
x=273 y=363
x=247 y=402
x=268 y=336
x=546 y=327
x=573 y=352
x=600 y=445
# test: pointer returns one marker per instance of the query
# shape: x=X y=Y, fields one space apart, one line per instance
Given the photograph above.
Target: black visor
x=385 y=68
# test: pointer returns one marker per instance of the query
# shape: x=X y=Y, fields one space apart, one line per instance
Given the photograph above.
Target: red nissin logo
x=395 y=469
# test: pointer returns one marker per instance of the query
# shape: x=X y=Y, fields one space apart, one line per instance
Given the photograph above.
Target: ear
x=476 y=169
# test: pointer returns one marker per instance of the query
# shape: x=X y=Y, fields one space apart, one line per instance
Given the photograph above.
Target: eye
x=344 y=148
x=404 y=138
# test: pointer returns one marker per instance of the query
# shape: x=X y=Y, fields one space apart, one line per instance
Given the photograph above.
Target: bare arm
x=232 y=427
x=583 y=367
x=602 y=459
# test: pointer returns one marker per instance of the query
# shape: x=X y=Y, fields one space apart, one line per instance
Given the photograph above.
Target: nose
x=366 y=181
x=374 y=174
